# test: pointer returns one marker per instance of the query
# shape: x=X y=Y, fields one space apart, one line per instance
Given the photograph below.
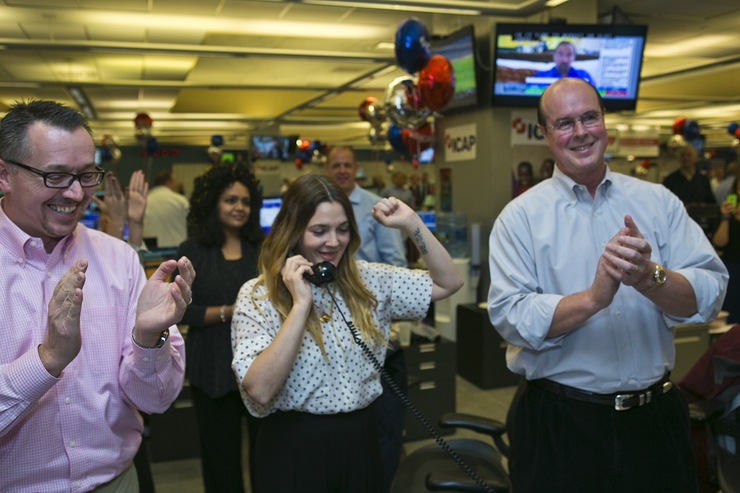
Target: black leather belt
x=621 y=401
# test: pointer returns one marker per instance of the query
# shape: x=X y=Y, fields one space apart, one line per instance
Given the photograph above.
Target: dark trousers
x=560 y=444
x=391 y=413
x=311 y=453
x=220 y=429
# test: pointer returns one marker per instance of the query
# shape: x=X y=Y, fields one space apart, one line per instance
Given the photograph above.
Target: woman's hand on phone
x=293 y=276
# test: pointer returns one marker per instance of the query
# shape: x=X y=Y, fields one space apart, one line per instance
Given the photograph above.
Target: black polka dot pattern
x=346 y=380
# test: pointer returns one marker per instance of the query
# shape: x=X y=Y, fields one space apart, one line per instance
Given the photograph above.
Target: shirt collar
x=569 y=186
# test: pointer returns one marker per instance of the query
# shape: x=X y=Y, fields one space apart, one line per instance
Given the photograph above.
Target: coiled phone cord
x=404 y=398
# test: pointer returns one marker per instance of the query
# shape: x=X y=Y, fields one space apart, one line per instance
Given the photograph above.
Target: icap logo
x=518 y=125
x=528 y=130
x=460 y=143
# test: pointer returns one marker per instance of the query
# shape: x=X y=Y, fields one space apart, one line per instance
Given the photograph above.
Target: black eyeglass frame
x=72 y=177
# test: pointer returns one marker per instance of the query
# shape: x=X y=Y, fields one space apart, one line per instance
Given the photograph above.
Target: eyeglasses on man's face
x=589 y=119
x=57 y=179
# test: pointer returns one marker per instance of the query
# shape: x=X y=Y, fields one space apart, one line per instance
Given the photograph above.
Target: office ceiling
x=236 y=67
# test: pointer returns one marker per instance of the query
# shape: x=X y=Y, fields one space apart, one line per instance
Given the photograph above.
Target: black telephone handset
x=322 y=273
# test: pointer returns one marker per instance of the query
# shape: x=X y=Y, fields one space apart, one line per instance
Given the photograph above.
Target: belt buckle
x=619 y=402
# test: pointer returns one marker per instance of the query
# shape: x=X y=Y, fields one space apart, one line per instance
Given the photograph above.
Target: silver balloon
x=377 y=135
x=215 y=153
x=676 y=141
x=375 y=114
x=404 y=103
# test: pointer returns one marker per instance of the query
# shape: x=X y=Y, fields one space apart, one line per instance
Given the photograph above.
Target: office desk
x=431 y=379
x=481 y=352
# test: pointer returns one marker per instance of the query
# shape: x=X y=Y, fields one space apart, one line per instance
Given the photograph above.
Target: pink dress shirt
x=78 y=431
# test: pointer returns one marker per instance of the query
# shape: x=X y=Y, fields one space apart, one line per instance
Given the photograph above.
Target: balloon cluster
x=405 y=118
x=308 y=151
x=214 y=151
x=734 y=130
x=143 y=131
x=684 y=131
x=110 y=153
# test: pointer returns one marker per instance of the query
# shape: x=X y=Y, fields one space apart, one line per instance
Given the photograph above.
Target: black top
x=731 y=251
x=217 y=282
x=696 y=191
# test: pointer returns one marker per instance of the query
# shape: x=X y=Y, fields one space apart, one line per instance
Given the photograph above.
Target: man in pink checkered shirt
x=87 y=341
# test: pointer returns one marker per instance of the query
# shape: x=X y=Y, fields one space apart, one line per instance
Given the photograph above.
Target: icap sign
x=524 y=129
x=461 y=143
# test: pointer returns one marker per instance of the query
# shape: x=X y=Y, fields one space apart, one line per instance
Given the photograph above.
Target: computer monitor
x=429 y=218
x=269 y=211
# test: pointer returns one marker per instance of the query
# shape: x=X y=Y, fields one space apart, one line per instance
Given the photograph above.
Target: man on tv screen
x=564 y=56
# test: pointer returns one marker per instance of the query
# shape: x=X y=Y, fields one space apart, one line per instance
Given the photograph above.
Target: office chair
x=714 y=381
x=432 y=469
x=721 y=419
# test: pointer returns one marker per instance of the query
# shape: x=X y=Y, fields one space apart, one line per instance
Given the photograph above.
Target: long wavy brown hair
x=299 y=206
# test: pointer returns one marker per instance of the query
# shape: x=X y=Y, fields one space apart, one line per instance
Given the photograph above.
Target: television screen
x=271 y=147
x=268 y=212
x=459 y=48
x=530 y=57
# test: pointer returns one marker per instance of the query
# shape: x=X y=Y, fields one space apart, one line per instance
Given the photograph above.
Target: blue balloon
x=412 y=45
x=217 y=140
x=691 y=130
x=151 y=145
x=395 y=138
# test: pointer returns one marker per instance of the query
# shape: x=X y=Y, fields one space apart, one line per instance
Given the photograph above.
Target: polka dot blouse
x=346 y=380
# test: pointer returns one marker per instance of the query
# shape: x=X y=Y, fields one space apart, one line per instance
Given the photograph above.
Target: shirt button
x=78 y=484
x=145 y=358
x=73 y=443
x=48 y=275
x=67 y=400
x=19 y=260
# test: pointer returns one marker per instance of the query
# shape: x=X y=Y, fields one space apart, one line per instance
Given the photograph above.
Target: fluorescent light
x=384 y=45
x=554 y=3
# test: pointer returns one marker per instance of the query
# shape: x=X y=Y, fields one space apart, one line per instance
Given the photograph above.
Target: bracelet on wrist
x=222 y=314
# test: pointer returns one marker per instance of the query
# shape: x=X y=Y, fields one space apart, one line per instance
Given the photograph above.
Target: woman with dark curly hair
x=225 y=237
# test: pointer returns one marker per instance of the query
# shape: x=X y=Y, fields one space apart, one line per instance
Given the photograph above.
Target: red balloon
x=143 y=120
x=418 y=139
x=737 y=133
x=437 y=83
x=363 y=109
x=678 y=125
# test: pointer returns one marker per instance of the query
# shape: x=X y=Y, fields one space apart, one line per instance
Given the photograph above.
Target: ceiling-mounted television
x=460 y=49
x=271 y=147
x=529 y=57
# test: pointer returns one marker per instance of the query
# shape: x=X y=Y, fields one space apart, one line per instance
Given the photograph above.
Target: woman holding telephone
x=295 y=356
x=727 y=240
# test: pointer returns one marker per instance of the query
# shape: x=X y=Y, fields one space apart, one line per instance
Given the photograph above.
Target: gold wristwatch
x=659 y=277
